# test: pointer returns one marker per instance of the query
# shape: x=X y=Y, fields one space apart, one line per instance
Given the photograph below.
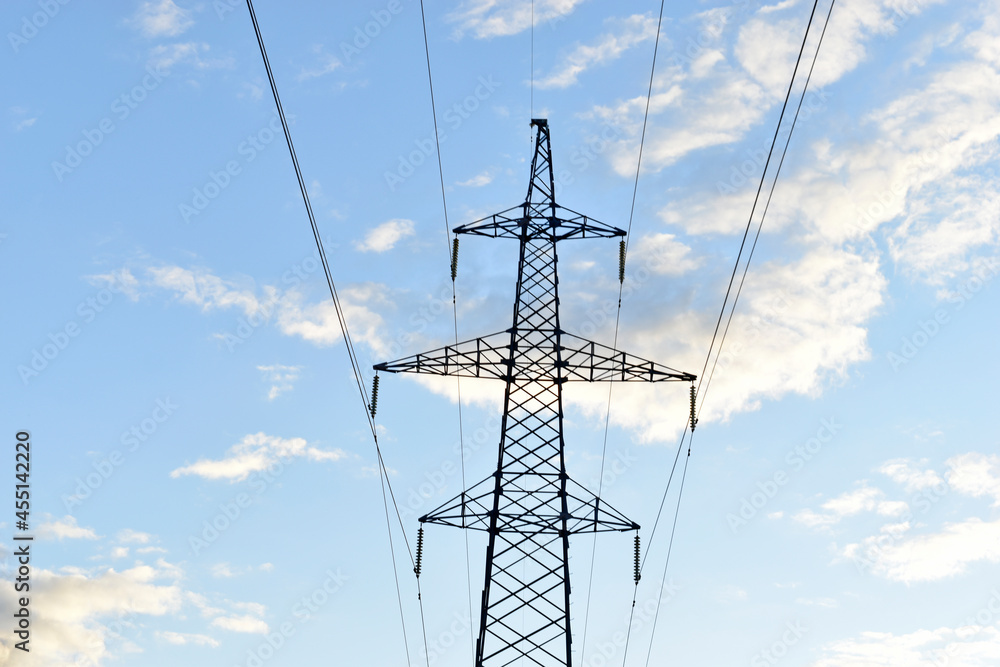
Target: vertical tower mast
x=529 y=506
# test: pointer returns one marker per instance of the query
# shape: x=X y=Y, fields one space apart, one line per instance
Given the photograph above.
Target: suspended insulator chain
x=637 y=575
x=374 y=405
x=454 y=258
x=621 y=261
x=694 y=420
x=420 y=551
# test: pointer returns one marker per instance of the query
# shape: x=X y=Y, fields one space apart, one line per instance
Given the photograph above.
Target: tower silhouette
x=529 y=506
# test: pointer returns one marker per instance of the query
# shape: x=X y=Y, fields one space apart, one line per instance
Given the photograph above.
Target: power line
x=774 y=182
x=739 y=290
x=746 y=233
x=349 y=344
x=452 y=260
x=621 y=287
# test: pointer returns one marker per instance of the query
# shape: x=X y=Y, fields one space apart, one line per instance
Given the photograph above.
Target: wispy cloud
x=246 y=623
x=624 y=35
x=930 y=557
x=166 y=56
x=966 y=646
x=477 y=181
x=326 y=63
x=129 y=536
x=161 y=19
x=184 y=639
x=64 y=528
x=256 y=452
x=486 y=19
x=281 y=378
x=914 y=477
x=976 y=475
x=385 y=237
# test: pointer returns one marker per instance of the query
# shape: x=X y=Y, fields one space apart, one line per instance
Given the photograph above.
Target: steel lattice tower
x=530 y=506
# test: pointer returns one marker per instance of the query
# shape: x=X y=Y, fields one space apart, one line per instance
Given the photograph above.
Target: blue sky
x=171 y=348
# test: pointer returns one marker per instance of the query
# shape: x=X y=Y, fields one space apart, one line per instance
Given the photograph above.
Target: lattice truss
x=530 y=506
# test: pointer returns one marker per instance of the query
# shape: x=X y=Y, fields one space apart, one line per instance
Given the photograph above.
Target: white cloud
x=486 y=19
x=976 y=474
x=161 y=19
x=119 y=552
x=246 y=623
x=281 y=378
x=226 y=571
x=626 y=33
x=662 y=254
x=129 y=536
x=316 y=323
x=863 y=499
x=826 y=603
x=25 y=124
x=69 y=609
x=910 y=475
x=64 y=528
x=151 y=550
x=478 y=181
x=929 y=557
x=121 y=281
x=96 y=616
x=201 y=288
x=712 y=99
x=327 y=63
x=964 y=646
x=165 y=56
x=183 y=639
x=222 y=570
x=386 y=236
x=257 y=451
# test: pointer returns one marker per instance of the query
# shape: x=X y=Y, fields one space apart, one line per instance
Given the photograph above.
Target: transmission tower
x=529 y=507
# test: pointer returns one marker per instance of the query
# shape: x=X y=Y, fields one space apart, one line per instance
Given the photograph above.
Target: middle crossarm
x=490 y=357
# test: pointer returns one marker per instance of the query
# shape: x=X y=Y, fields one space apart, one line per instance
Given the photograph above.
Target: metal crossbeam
x=582 y=360
x=529 y=506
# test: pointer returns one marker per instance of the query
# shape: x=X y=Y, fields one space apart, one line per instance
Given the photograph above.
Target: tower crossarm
x=529 y=512
x=588 y=361
x=539 y=221
x=582 y=360
x=485 y=357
